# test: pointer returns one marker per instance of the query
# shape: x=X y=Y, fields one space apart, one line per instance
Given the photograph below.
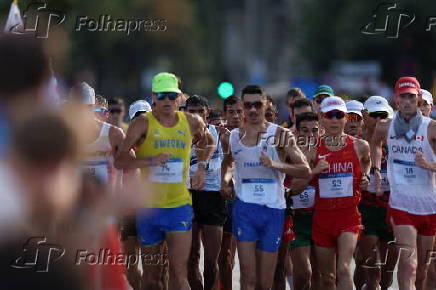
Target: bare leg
x=227 y=260
x=303 y=273
x=425 y=246
x=212 y=236
x=280 y=273
x=346 y=245
x=326 y=259
x=194 y=276
x=368 y=246
x=179 y=246
x=152 y=267
x=265 y=264
x=389 y=256
x=247 y=262
x=408 y=259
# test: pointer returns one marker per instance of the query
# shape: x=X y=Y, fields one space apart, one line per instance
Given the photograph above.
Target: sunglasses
x=249 y=105
x=115 y=111
x=381 y=115
x=171 y=96
x=334 y=114
x=100 y=111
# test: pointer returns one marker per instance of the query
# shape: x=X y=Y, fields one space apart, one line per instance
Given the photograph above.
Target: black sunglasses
x=115 y=111
x=171 y=95
x=334 y=114
x=381 y=115
x=249 y=105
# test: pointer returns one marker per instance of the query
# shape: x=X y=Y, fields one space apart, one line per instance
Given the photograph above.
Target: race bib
x=170 y=172
x=259 y=190
x=306 y=199
x=384 y=181
x=332 y=185
x=98 y=170
x=406 y=172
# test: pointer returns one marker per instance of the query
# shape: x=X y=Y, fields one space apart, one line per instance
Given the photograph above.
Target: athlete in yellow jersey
x=164 y=157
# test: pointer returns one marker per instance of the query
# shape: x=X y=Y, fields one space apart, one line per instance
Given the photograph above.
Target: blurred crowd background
x=277 y=44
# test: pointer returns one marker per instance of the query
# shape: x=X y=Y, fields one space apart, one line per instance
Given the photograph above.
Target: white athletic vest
x=254 y=183
x=212 y=180
x=99 y=159
x=413 y=189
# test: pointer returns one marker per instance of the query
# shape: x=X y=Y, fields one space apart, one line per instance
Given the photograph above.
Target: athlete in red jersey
x=336 y=221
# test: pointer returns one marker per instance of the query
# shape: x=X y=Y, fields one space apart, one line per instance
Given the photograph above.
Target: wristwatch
x=203 y=163
x=367 y=176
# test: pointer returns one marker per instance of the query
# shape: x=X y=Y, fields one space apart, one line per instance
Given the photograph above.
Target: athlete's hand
x=364 y=181
x=226 y=190
x=377 y=182
x=421 y=161
x=321 y=166
x=266 y=160
x=197 y=179
x=160 y=160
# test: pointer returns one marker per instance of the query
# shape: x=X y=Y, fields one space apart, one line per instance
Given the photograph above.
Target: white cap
x=138 y=106
x=333 y=103
x=378 y=104
x=426 y=96
x=355 y=107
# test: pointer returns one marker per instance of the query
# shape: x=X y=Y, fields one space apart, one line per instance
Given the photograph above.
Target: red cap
x=407 y=85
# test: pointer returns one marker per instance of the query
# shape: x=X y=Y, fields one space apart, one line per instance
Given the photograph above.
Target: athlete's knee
x=248 y=280
x=344 y=271
x=302 y=274
x=407 y=266
x=328 y=279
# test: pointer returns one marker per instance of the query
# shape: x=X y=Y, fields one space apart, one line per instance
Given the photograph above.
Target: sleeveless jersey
x=255 y=183
x=99 y=160
x=169 y=180
x=413 y=189
x=212 y=179
x=338 y=186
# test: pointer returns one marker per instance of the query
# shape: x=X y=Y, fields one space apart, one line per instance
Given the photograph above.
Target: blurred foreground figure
x=24 y=78
x=44 y=169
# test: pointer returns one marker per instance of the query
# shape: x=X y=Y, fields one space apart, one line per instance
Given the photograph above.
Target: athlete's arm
x=124 y=159
x=420 y=160
x=300 y=184
x=226 y=166
x=363 y=151
x=376 y=144
x=295 y=163
x=116 y=138
x=204 y=148
x=376 y=151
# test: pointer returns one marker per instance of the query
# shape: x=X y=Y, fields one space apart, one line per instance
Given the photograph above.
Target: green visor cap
x=165 y=83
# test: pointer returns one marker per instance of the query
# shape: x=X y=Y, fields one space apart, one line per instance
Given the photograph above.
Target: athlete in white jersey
x=209 y=206
x=411 y=140
x=261 y=163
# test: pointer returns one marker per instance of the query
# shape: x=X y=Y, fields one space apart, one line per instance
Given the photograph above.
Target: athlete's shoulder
x=360 y=142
